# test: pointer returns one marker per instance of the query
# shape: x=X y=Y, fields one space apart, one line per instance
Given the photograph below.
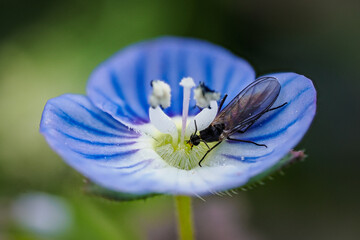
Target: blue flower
x=108 y=137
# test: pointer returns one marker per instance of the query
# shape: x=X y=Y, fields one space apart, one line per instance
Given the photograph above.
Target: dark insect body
x=240 y=114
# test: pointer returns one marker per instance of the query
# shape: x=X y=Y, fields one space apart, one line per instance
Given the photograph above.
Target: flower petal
x=121 y=85
x=93 y=142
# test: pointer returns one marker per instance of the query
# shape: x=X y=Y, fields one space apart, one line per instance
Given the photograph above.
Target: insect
x=240 y=114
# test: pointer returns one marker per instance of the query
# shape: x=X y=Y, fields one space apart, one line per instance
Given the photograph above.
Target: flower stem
x=184 y=216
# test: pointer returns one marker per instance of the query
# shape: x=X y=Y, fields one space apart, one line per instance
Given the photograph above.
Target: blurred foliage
x=48 y=48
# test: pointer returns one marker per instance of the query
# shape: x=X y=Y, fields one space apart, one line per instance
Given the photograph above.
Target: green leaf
x=291 y=158
x=96 y=190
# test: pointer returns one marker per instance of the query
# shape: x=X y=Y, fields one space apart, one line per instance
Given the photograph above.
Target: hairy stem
x=184 y=216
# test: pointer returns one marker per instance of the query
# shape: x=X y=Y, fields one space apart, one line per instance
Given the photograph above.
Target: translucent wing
x=249 y=104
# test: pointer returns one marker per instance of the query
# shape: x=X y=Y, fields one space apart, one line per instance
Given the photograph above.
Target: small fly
x=240 y=114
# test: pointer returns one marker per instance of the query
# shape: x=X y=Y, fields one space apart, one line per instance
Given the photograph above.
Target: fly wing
x=249 y=104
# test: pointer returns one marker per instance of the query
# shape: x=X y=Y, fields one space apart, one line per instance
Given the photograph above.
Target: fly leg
x=246 y=141
x=271 y=109
x=222 y=102
x=205 y=143
x=208 y=152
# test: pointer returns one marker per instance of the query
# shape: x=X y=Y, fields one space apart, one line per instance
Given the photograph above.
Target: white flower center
x=174 y=150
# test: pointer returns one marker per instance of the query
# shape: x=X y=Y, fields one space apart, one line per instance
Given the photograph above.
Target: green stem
x=184 y=216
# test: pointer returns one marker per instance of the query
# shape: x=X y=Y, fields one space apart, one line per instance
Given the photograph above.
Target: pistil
x=187 y=84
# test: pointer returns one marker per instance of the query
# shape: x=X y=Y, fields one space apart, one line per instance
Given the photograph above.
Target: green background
x=48 y=48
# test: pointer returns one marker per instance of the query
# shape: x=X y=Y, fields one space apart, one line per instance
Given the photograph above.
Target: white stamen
x=187 y=83
x=163 y=122
x=203 y=96
x=203 y=118
x=161 y=94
